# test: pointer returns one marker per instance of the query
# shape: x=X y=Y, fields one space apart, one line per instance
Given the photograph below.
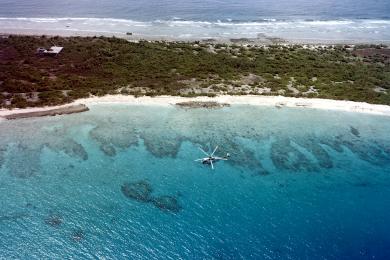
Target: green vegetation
x=99 y=66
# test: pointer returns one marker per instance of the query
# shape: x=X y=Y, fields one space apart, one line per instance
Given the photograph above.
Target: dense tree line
x=99 y=66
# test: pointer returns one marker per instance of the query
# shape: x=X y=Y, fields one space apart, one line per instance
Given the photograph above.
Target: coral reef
x=122 y=136
x=167 y=203
x=2 y=154
x=354 y=131
x=285 y=156
x=322 y=157
x=108 y=150
x=140 y=190
x=69 y=146
x=53 y=220
x=77 y=235
x=167 y=146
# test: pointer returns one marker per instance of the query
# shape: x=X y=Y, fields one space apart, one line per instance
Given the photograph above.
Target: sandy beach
x=276 y=101
x=258 y=40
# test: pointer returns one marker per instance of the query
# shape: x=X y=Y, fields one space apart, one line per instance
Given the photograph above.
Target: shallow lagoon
x=120 y=182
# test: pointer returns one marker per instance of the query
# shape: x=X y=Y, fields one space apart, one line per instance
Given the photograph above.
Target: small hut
x=53 y=51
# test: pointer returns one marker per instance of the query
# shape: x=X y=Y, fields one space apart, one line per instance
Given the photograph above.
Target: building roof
x=54 y=50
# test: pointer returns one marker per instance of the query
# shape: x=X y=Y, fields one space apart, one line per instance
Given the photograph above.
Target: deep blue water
x=119 y=182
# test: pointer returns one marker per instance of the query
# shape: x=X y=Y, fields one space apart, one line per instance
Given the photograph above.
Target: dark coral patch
x=68 y=146
x=79 y=151
x=334 y=143
x=108 y=150
x=354 y=131
x=286 y=157
x=77 y=235
x=322 y=156
x=260 y=171
x=368 y=151
x=362 y=184
x=166 y=147
x=122 y=136
x=2 y=155
x=140 y=191
x=53 y=220
x=167 y=203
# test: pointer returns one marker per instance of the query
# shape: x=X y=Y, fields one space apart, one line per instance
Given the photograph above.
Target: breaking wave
x=372 y=30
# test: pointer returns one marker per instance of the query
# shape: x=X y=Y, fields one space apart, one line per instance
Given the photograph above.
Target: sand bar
x=46 y=111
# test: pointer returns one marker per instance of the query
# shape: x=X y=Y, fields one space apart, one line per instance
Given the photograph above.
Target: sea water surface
x=308 y=20
x=120 y=182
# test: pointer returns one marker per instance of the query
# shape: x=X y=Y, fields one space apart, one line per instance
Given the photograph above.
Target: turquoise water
x=120 y=182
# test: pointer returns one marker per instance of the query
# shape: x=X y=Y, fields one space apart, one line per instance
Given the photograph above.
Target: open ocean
x=120 y=182
x=314 y=20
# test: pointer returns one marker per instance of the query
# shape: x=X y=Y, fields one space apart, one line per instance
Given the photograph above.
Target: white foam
x=343 y=30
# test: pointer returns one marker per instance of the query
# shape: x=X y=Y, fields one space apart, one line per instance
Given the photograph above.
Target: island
x=99 y=66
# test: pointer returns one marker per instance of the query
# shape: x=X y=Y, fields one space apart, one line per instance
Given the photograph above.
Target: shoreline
x=261 y=39
x=275 y=101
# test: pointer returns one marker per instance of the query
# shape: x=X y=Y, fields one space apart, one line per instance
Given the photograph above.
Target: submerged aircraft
x=211 y=159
